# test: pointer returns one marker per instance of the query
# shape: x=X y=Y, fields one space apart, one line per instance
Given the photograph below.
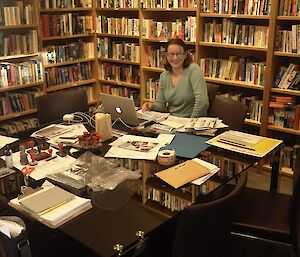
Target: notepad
x=183 y=173
x=46 y=200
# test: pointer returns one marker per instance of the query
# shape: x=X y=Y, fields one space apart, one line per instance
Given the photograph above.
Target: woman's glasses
x=178 y=55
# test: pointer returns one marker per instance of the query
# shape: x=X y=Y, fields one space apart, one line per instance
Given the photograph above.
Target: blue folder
x=187 y=145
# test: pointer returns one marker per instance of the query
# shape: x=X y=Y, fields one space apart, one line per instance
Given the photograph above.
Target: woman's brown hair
x=180 y=42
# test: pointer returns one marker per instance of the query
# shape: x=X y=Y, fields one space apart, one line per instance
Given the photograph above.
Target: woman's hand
x=147 y=107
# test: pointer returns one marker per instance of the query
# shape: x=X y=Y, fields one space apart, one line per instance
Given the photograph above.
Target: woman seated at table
x=182 y=88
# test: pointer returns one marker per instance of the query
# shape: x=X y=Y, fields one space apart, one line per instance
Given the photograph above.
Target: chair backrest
x=233 y=113
x=52 y=106
x=212 y=90
x=204 y=229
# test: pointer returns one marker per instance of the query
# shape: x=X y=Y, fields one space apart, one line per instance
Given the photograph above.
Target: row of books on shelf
x=289 y=154
x=169 y=3
x=152 y=88
x=167 y=200
x=289 y=8
x=228 y=168
x=230 y=32
x=154 y=57
x=122 y=72
x=72 y=73
x=288 y=77
x=12 y=74
x=89 y=93
x=15 y=127
x=235 y=69
x=182 y=28
x=122 y=91
x=109 y=48
x=66 y=24
x=246 y=7
x=284 y=111
x=14 y=44
x=70 y=51
x=117 y=4
x=288 y=40
x=118 y=25
x=53 y=4
x=20 y=101
x=16 y=14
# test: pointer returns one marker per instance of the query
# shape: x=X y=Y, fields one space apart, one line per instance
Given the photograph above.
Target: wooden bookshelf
x=69 y=52
x=118 y=44
x=19 y=57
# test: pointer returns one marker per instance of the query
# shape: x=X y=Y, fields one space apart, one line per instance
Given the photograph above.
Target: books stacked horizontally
x=51 y=205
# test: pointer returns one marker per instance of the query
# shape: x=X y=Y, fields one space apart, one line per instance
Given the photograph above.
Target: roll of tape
x=166 y=157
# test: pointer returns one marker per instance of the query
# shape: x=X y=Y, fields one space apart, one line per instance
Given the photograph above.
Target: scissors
x=27 y=170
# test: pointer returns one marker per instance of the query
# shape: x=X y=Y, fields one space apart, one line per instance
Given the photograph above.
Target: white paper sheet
x=175 y=122
x=6 y=140
x=213 y=170
x=117 y=152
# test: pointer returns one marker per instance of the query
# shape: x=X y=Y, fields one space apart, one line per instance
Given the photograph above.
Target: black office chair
x=233 y=113
x=212 y=90
x=270 y=218
x=204 y=229
x=52 y=106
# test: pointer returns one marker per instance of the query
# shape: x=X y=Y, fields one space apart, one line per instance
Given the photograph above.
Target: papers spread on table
x=175 y=122
x=186 y=172
x=181 y=124
x=55 y=216
x=245 y=143
x=119 y=151
x=6 y=140
x=152 y=115
x=43 y=168
x=70 y=136
x=51 y=131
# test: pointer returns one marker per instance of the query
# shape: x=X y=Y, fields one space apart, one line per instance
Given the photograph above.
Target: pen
x=233 y=144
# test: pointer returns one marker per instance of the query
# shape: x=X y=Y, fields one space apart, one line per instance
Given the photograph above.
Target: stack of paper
x=188 y=171
x=151 y=115
x=46 y=200
x=57 y=214
x=125 y=147
x=186 y=124
x=245 y=143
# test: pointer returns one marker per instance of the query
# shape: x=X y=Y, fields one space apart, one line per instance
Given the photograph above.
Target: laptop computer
x=120 y=107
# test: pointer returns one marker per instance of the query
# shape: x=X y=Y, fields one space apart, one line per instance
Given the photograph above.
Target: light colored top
x=188 y=99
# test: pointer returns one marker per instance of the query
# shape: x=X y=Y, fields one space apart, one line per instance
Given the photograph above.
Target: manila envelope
x=183 y=173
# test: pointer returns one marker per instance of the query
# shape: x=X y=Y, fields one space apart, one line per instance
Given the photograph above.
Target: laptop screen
x=120 y=107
